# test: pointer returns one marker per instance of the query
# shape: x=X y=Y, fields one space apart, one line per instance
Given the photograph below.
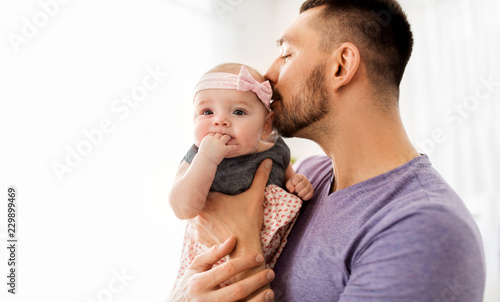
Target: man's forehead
x=300 y=27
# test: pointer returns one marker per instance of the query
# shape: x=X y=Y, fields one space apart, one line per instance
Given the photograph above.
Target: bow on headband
x=244 y=81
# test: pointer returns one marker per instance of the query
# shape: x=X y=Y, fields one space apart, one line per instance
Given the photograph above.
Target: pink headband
x=241 y=82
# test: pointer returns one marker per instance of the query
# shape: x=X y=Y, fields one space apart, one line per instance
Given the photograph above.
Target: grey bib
x=235 y=175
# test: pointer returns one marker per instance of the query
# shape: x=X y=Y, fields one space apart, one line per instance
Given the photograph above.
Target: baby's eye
x=239 y=112
x=207 y=112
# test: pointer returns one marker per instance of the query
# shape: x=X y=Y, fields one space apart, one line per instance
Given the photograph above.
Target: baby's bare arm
x=191 y=186
x=193 y=181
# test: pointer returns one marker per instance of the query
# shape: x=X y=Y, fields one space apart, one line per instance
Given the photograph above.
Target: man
x=385 y=226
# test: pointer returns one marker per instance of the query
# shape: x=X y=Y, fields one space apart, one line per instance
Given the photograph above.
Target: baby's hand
x=214 y=147
x=300 y=185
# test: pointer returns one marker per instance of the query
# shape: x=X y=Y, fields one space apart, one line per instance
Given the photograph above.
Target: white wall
x=106 y=214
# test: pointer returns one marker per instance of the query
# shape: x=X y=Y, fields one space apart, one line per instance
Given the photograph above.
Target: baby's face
x=239 y=114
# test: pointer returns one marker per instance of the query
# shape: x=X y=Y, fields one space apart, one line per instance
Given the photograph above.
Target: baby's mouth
x=231 y=141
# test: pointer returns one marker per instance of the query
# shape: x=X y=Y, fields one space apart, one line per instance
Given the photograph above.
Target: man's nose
x=272 y=72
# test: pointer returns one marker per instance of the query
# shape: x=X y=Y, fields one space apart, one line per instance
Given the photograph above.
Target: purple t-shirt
x=404 y=235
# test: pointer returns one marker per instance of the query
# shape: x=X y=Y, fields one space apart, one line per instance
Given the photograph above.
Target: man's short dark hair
x=379 y=28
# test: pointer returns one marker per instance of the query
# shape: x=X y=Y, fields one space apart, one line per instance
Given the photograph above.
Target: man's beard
x=305 y=108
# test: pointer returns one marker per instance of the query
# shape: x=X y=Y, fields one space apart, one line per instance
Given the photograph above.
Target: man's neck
x=364 y=145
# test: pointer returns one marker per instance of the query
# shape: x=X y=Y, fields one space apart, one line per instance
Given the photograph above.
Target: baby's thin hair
x=235 y=68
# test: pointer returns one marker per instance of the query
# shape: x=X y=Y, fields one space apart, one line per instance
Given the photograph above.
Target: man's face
x=299 y=80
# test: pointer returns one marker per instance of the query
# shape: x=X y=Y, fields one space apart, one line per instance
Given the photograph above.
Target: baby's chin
x=234 y=153
x=242 y=151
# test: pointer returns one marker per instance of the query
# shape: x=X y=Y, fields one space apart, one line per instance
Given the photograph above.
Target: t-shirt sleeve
x=191 y=154
x=426 y=255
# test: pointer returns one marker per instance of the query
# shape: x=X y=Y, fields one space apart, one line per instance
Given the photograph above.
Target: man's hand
x=300 y=185
x=240 y=215
x=201 y=282
x=214 y=147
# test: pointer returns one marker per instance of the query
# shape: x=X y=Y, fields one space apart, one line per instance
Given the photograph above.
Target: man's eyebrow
x=285 y=39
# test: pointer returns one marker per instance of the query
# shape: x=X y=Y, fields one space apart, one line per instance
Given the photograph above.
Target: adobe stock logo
x=223 y=6
x=458 y=113
x=115 y=286
x=94 y=137
x=31 y=27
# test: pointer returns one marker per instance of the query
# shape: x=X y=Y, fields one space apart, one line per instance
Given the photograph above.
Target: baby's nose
x=221 y=121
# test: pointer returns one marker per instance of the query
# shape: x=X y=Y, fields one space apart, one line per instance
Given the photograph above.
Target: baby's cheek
x=198 y=136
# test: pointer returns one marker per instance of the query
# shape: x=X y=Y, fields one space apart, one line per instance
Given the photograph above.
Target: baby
x=233 y=134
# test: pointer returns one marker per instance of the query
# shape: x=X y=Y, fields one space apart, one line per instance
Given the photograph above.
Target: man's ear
x=346 y=60
x=268 y=128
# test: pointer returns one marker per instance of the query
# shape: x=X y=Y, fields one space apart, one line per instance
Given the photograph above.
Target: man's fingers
x=205 y=261
x=245 y=287
x=265 y=296
x=234 y=267
x=262 y=175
